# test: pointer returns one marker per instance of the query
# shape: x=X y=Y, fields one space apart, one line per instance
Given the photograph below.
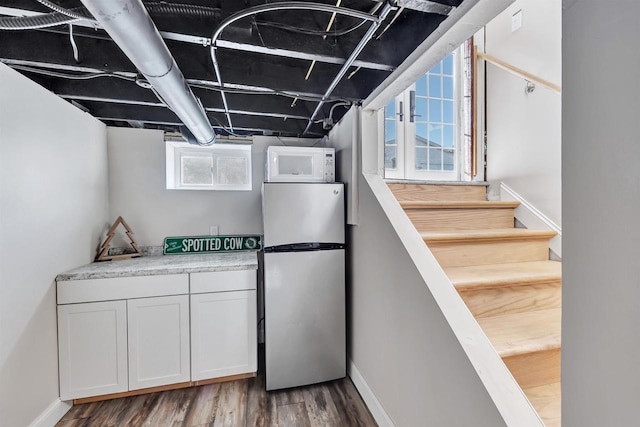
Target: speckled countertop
x=164 y=264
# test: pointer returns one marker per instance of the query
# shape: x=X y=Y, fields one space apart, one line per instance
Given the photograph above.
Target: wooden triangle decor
x=103 y=252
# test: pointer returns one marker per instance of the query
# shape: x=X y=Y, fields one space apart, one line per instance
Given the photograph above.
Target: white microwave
x=300 y=164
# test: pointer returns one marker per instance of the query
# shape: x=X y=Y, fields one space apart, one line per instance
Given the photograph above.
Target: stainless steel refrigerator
x=304 y=283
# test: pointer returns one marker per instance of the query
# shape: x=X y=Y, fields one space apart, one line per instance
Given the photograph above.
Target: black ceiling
x=46 y=56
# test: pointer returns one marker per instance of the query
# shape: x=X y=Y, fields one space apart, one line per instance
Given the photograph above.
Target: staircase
x=503 y=274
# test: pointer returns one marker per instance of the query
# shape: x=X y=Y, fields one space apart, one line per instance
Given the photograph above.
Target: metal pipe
x=290 y=5
x=388 y=7
x=129 y=25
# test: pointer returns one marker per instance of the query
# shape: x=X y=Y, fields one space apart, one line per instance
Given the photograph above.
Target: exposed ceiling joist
x=161 y=105
x=146 y=113
x=264 y=59
x=194 y=82
x=245 y=47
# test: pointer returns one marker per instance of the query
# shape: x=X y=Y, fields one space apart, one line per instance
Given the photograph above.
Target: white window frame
x=176 y=151
x=399 y=171
x=406 y=132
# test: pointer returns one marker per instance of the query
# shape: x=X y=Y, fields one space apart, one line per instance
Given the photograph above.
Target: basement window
x=225 y=167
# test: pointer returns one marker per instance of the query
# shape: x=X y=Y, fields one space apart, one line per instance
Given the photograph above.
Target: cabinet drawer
x=221 y=281
x=75 y=291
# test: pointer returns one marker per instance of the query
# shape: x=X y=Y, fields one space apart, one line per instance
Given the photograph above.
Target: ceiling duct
x=130 y=26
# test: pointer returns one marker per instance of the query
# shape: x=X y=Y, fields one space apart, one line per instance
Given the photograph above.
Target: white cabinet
x=158 y=341
x=130 y=333
x=92 y=349
x=223 y=334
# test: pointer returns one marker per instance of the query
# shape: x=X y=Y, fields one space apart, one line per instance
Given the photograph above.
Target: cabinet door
x=223 y=334
x=92 y=345
x=158 y=341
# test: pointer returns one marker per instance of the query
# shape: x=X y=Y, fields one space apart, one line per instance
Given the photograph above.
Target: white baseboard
x=53 y=414
x=532 y=218
x=376 y=409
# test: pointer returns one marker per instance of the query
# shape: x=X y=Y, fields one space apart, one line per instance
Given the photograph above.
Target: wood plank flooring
x=231 y=404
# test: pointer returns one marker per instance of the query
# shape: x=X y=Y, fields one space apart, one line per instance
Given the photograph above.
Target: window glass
x=448 y=137
x=389 y=132
x=447 y=65
x=421 y=158
x=232 y=170
x=447 y=87
x=435 y=110
x=421 y=133
x=390 y=161
x=421 y=109
x=196 y=170
x=447 y=159
x=435 y=86
x=447 y=112
x=435 y=135
x=390 y=110
x=435 y=159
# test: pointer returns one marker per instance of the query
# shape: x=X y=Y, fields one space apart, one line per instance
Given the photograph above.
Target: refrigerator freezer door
x=305 y=331
x=301 y=213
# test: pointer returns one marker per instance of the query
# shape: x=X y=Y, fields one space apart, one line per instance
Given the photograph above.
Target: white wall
x=138 y=191
x=524 y=139
x=601 y=205
x=53 y=205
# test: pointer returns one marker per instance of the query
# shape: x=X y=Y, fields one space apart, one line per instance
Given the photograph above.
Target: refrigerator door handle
x=304 y=247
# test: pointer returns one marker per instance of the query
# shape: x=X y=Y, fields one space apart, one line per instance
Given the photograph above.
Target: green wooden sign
x=208 y=244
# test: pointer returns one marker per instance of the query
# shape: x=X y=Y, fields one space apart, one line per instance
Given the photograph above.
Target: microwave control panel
x=329 y=166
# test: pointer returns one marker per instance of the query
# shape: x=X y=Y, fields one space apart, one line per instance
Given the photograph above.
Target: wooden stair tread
x=521 y=333
x=546 y=399
x=440 y=191
x=486 y=235
x=457 y=204
x=509 y=274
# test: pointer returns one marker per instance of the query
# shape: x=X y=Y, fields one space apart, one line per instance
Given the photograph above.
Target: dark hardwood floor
x=230 y=404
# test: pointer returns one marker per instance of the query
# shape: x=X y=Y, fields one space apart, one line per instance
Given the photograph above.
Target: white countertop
x=163 y=264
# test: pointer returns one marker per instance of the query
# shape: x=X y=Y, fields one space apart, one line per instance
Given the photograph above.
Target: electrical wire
x=190 y=10
x=74 y=46
x=307 y=31
x=63 y=16
x=79 y=13
x=338 y=104
x=46 y=20
x=324 y=33
x=225 y=128
x=87 y=76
